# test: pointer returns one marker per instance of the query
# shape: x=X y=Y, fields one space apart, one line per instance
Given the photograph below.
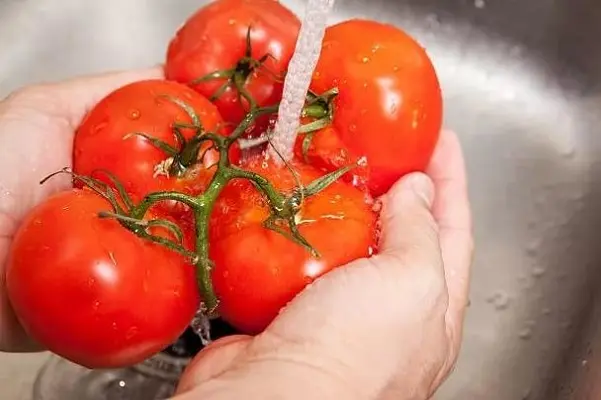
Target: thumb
x=408 y=228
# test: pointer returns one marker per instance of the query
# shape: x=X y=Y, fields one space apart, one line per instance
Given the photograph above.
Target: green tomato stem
x=204 y=264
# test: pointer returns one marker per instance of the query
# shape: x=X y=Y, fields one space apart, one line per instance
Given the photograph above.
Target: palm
x=36 y=135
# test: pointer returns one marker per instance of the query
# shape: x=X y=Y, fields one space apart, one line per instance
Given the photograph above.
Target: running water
x=298 y=78
x=296 y=85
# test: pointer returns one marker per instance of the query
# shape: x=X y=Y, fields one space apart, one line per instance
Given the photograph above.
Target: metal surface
x=522 y=82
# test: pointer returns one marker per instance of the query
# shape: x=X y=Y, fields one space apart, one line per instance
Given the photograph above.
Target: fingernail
x=421 y=185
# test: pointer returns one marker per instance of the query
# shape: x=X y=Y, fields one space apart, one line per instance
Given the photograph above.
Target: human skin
x=385 y=327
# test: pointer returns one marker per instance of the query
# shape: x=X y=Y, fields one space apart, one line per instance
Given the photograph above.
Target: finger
x=451 y=210
x=212 y=361
x=72 y=99
x=380 y=300
x=409 y=233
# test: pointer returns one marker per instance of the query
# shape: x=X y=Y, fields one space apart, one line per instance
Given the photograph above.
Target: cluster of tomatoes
x=122 y=273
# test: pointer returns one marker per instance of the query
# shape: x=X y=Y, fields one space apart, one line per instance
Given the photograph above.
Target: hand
x=36 y=137
x=388 y=327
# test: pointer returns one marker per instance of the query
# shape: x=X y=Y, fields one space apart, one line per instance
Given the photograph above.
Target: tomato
x=389 y=109
x=214 y=39
x=93 y=292
x=104 y=139
x=257 y=270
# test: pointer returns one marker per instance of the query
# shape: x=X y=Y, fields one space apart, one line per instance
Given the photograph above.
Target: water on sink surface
x=522 y=84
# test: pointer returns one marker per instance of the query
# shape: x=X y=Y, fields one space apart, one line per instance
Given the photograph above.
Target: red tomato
x=93 y=292
x=214 y=39
x=390 y=106
x=102 y=141
x=257 y=271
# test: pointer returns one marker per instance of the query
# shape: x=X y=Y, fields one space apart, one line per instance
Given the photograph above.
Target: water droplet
x=375 y=48
x=480 y=4
x=96 y=305
x=533 y=247
x=37 y=222
x=114 y=325
x=537 y=272
x=122 y=384
x=365 y=60
x=231 y=21
x=134 y=114
x=525 y=334
x=516 y=51
x=96 y=130
x=395 y=68
x=352 y=128
x=433 y=20
x=370 y=251
x=377 y=206
x=317 y=75
x=131 y=332
x=500 y=300
x=365 y=85
x=577 y=195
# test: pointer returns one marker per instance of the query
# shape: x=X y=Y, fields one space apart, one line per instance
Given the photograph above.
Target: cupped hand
x=388 y=327
x=385 y=327
x=36 y=136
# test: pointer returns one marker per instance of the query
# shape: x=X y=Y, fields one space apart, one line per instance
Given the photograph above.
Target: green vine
x=186 y=153
x=283 y=206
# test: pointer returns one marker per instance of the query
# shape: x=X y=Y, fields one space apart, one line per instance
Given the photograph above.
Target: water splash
x=298 y=78
x=202 y=326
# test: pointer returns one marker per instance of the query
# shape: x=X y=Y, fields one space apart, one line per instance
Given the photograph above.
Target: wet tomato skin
x=258 y=271
x=389 y=109
x=214 y=39
x=90 y=290
x=104 y=139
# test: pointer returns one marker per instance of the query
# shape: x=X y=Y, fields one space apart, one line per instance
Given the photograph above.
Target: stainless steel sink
x=522 y=82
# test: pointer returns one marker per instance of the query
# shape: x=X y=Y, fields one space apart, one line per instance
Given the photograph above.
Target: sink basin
x=522 y=83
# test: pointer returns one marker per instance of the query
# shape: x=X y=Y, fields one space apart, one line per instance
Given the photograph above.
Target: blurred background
x=522 y=84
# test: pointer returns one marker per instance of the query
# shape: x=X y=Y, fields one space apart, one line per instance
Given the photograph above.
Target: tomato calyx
x=320 y=108
x=284 y=209
x=237 y=76
x=186 y=154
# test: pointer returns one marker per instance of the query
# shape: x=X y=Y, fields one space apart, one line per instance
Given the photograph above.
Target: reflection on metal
x=522 y=83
